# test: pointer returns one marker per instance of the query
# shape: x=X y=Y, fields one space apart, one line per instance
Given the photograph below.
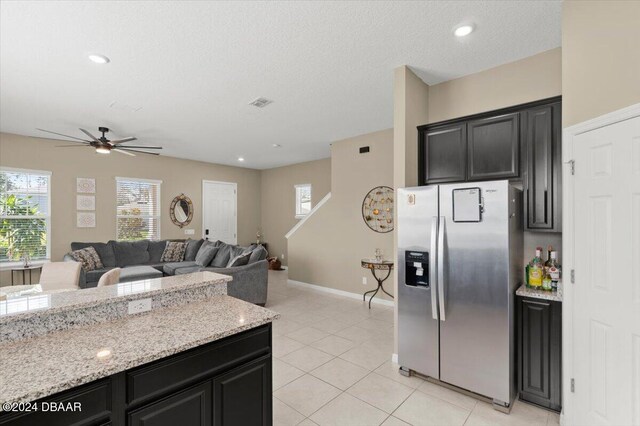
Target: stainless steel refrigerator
x=459 y=263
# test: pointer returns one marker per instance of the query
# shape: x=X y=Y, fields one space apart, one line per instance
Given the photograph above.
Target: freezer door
x=475 y=304
x=417 y=304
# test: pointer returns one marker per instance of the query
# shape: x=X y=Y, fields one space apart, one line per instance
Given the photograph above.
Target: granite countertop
x=41 y=366
x=525 y=291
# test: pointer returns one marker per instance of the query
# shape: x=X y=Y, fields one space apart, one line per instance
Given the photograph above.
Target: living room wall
x=177 y=175
x=326 y=250
x=278 y=199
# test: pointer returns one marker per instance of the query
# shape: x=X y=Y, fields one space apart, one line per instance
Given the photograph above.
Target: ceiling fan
x=103 y=145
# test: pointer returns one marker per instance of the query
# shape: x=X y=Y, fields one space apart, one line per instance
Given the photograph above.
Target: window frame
x=297 y=205
x=48 y=216
x=159 y=209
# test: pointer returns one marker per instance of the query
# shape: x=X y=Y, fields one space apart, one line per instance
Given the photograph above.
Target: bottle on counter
x=546 y=281
x=536 y=270
x=553 y=268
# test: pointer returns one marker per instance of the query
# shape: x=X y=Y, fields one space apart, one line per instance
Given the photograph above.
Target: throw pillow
x=239 y=260
x=221 y=259
x=193 y=246
x=174 y=251
x=259 y=253
x=206 y=254
x=89 y=258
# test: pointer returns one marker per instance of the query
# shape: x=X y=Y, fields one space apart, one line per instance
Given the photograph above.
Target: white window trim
x=153 y=181
x=302 y=185
x=9 y=265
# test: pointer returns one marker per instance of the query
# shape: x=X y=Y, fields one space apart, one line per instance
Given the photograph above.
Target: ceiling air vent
x=260 y=102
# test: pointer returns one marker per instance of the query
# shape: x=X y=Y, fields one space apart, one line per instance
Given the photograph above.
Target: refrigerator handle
x=432 y=267
x=441 y=267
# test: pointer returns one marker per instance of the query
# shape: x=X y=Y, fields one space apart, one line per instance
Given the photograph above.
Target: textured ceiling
x=182 y=73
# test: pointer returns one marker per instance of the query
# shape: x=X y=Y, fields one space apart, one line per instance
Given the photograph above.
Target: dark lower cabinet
x=539 y=352
x=227 y=382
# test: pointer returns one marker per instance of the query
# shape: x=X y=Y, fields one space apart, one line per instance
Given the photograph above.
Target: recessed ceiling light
x=276 y=145
x=99 y=59
x=241 y=159
x=463 y=30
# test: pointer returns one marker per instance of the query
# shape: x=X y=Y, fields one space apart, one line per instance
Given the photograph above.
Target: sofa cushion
x=206 y=254
x=174 y=252
x=156 y=248
x=157 y=265
x=141 y=272
x=131 y=252
x=239 y=260
x=223 y=255
x=193 y=246
x=94 y=276
x=170 y=268
x=188 y=270
x=104 y=250
x=88 y=257
x=259 y=253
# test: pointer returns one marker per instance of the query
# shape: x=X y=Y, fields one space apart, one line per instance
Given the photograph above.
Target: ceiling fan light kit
x=103 y=145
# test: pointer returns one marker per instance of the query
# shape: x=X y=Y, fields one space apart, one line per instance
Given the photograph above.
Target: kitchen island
x=204 y=361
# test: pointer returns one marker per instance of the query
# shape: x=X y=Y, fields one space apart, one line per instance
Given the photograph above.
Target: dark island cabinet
x=443 y=154
x=226 y=382
x=544 y=165
x=539 y=351
x=494 y=147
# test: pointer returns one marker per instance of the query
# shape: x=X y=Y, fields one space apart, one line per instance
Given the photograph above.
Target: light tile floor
x=332 y=366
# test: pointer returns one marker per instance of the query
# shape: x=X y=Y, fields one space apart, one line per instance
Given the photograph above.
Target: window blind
x=25 y=219
x=138 y=209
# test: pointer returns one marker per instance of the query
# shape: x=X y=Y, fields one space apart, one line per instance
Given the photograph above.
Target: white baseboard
x=394 y=358
x=340 y=292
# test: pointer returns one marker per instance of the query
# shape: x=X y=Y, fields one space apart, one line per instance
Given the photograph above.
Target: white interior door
x=606 y=321
x=219 y=207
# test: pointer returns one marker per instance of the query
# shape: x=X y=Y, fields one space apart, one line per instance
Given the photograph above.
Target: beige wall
x=177 y=175
x=529 y=79
x=278 y=199
x=327 y=249
x=600 y=58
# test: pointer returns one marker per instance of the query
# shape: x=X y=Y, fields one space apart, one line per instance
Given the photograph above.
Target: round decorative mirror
x=377 y=209
x=181 y=210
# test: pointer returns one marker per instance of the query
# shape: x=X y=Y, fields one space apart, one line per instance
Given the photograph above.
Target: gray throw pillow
x=239 y=260
x=193 y=246
x=259 y=253
x=206 y=254
x=223 y=255
x=88 y=257
x=174 y=252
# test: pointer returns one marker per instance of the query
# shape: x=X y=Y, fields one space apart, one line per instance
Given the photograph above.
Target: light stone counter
x=41 y=366
x=555 y=296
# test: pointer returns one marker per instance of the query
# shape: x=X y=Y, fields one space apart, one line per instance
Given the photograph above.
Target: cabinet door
x=544 y=165
x=494 y=147
x=191 y=407
x=539 y=372
x=443 y=154
x=243 y=395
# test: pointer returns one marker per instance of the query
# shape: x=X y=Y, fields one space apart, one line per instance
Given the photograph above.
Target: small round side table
x=24 y=270
x=377 y=265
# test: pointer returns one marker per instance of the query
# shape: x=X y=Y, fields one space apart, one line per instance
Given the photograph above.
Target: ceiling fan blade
x=123 y=152
x=140 y=146
x=141 y=152
x=60 y=134
x=86 y=132
x=73 y=146
x=129 y=139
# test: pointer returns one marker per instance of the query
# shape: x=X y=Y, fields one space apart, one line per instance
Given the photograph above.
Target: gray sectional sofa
x=140 y=260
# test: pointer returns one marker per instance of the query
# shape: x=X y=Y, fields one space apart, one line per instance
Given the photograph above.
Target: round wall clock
x=377 y=209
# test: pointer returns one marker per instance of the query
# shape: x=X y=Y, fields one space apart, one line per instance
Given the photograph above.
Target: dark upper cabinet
x=539 y=352
x=493 y=147
x=243 y=396
x=191 y=407
x=443 y=154
x=544 y=164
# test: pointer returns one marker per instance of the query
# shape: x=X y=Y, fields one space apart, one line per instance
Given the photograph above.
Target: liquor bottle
x=553 y=268
x=546 y=282
x=536 y=270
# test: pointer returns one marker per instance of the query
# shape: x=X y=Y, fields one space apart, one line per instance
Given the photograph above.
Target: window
x=138 y=209
x=25 y=218
x=303 y=200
